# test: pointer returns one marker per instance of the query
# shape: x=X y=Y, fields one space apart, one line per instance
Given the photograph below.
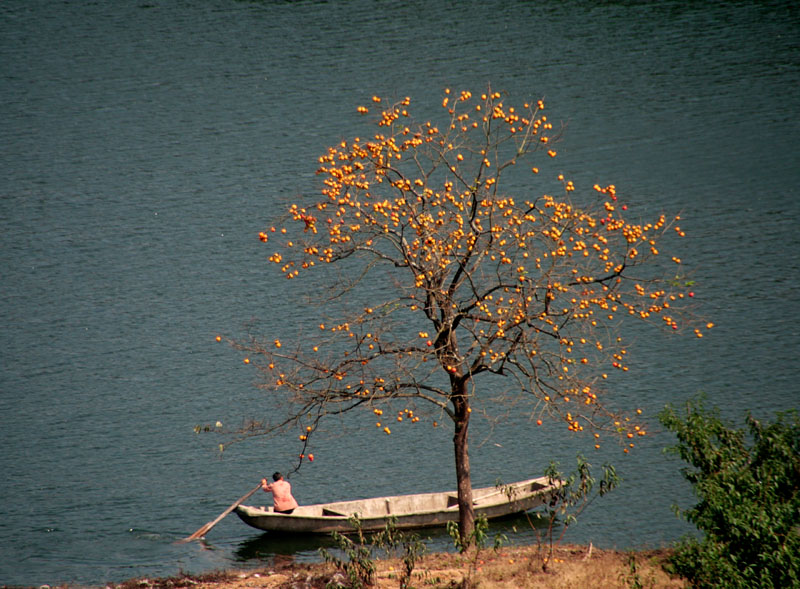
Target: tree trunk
x=466 y=511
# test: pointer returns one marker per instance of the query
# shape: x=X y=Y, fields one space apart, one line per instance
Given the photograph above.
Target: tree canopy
x=483 y=290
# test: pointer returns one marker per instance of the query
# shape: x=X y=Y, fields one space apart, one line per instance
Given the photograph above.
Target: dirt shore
x=518 y=567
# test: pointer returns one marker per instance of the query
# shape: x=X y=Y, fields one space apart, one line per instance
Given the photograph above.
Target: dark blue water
x=143 y=145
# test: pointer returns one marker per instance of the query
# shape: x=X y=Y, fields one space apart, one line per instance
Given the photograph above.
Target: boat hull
x=408 y=511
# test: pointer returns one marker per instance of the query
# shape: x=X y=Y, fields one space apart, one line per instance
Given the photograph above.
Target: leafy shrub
x=359 y=566
x=748 y=483
x=392 y=540
x=574 y=494
x=477 y=541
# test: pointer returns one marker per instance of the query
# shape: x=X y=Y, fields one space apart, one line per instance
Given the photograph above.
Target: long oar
x=205 y=529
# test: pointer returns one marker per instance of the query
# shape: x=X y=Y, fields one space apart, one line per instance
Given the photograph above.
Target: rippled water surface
x=143 y=145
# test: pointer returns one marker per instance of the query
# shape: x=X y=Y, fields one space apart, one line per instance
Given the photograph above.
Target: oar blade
x=197 y=535
x=206 y=528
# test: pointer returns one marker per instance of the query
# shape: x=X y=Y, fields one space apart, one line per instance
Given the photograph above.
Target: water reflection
x=282 y=548
x=285 y=549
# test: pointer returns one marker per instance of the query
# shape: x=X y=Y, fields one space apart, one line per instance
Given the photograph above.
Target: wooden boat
x=411 y=511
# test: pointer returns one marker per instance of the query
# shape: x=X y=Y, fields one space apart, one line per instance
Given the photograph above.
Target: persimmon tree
x=480 y=289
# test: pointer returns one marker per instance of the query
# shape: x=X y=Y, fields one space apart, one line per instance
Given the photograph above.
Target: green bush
x=574 y=494
x=358 y=568
x=748 y=484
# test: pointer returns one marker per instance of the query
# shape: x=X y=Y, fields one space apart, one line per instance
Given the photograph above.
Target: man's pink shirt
x=282 y=494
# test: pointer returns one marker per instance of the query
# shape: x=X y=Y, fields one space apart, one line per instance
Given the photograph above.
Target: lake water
x=145 y=144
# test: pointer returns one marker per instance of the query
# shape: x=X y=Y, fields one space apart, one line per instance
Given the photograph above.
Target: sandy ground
x=509 y=568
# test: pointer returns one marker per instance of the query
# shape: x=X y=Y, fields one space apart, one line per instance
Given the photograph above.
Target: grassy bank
x=508 y=568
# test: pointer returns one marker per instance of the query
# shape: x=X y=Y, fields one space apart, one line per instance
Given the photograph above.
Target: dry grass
x=510 y=568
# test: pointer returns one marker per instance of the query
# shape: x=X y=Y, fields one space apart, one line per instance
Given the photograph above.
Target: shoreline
x=510 y=567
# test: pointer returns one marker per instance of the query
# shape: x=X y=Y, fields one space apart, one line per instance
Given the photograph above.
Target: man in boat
x=281 y=490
